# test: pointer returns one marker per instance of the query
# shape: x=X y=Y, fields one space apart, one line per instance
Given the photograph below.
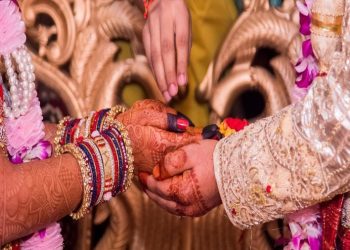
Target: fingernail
x=182 y=124
x=166 y=95
x=173 y=89
x=143 y=178
x=179 y=114
x=182 y=80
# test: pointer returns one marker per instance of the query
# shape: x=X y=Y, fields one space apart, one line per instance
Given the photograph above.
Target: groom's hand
x=148 y=123
x=184 y=183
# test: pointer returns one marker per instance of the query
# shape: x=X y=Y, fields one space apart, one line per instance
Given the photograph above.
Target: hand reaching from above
x=184 y=183
x=167 y=41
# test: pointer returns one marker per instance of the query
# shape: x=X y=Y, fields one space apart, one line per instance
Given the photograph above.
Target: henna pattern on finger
x=153 y=105
x=144 y=117
x=150 y=144
x=175 y=159
x=200 y=204
x=174 y=189
x=185 y=191
x=172 y=163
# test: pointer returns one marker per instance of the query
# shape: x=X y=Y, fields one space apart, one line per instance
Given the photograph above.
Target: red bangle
x=146 y=4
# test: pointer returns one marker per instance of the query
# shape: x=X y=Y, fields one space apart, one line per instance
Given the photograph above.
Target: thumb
x=174 y=163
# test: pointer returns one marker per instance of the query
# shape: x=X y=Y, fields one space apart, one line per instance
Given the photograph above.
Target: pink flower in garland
x=26 y=131
x=306 y=68
x=49 y=238
x=305 y=229
x=12 y=27
x=305 y=224
x=305 y=16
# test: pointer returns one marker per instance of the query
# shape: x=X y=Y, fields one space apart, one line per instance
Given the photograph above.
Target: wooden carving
x=235 y=69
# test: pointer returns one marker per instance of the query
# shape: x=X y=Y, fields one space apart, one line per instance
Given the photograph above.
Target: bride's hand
x=148 y=123
x=150 y=144
x=148 y=113
x=184 y=183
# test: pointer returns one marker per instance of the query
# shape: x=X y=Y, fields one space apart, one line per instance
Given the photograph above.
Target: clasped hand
x=175 y=169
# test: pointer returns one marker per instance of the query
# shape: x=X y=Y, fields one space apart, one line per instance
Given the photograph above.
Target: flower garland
x=23 y=116
x=305 y=225
x=224 y=129
x=306 y=67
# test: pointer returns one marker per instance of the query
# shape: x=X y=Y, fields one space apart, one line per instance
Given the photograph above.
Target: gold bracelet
x=85 y=173
x=112 y=122
x=112 y=114
x=59 y=134
x=128 y=148
x=108 y=166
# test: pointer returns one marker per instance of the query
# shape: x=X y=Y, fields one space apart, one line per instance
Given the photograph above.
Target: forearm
x=289 y=161
x=35 y=194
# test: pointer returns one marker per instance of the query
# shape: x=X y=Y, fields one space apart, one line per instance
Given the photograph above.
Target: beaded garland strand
x=23 y=130
x=22 y=89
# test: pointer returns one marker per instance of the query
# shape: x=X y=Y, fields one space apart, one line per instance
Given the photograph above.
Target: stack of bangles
x=103 y=150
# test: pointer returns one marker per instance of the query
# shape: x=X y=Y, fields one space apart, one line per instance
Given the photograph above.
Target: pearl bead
x=23 y=75
x=14 y=98
x=22 y=86
x=13 y=88
x=10 y=71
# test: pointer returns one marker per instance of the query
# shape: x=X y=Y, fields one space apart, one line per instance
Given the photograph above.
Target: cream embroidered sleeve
x=289 y=161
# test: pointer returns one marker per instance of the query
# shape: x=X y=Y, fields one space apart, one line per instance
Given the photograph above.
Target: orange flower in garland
x=232 y=125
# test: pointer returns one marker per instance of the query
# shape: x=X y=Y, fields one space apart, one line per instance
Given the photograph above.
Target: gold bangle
x=112 y=114
x=59 y=134
x=85 y=173
x=108 y=166
x=112 y=122
x=128 y=148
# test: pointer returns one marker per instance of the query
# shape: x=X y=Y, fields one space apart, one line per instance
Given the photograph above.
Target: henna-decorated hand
x=147 y=123
x=185 y=184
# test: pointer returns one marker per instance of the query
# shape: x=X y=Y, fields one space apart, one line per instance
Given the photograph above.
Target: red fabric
x=331 y=215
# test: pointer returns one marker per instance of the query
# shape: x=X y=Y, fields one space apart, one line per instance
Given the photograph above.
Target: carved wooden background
x=75 y=49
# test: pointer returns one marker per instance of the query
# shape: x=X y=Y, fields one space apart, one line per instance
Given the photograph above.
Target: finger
x=182 y=31
x=153 y=118
x=147 y=43
x=186 y=117
x=176 y=188
x=174 y=163
x=170 y=206
x=176 y=123
x=154 y=105
x=168 y=48
x=161 y=188
x=173 y=141
x=156 y=56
